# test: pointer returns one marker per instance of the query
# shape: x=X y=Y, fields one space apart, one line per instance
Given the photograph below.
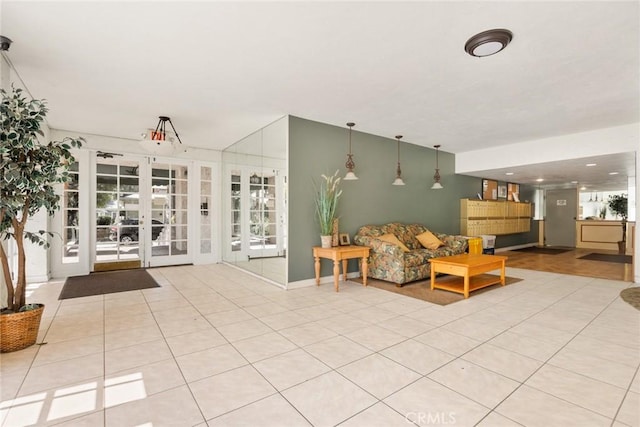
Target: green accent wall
x=317 y=148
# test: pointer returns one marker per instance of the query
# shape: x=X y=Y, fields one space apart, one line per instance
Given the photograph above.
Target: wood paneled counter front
x=337 y=254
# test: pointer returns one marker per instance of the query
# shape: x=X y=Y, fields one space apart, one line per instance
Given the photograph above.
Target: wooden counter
x=594 y=234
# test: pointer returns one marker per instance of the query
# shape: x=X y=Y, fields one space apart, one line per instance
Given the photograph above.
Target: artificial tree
x=29 y=170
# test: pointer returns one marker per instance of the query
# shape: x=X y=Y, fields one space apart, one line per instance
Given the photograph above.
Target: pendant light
x=350 y=165
x=160 y=141
x=436 y=177
x=398 y=180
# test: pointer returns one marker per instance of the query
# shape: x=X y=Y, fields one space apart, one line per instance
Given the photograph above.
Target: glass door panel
x=70 y=221
x=117 y=210
x=236 y=213
x=169 y=214
x=206 y=210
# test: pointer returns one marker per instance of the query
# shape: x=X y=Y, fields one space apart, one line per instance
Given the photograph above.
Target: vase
x=326 y=241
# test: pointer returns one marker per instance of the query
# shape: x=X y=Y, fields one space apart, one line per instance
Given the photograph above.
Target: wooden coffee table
x=469 y=267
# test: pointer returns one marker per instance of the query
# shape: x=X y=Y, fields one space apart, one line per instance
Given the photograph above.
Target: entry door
x=561 y=208
x=119 y=226
x=167 y=238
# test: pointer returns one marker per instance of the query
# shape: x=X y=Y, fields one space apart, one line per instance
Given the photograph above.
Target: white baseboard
x=513 y=248
x=323 y=280
x=41 y=278
x=250 y=273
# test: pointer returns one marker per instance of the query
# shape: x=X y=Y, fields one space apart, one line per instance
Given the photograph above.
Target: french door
x=141 y=213
x=168 y=214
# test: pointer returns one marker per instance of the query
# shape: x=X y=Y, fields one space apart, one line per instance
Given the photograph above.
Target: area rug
x=421 y=289
x=631 y=296
x=107 y=283
x=542 y=250
x=621 y=259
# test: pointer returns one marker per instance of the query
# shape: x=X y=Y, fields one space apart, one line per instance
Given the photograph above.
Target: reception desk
x=594 y=234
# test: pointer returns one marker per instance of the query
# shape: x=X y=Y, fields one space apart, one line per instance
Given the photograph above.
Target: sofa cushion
x=429 y=241
x=391 y=238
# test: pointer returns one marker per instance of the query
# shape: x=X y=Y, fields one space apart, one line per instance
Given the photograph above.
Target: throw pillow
x=390 y=238
x=429 y=241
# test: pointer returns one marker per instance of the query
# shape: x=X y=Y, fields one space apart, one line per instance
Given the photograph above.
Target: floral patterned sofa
x=387 y=261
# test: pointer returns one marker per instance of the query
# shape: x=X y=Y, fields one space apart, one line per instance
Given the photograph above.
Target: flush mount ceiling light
x=436 y=177
x=5 y=43
x=398 y=180
x=160 y=141
x=350 y=165
x=488 y=42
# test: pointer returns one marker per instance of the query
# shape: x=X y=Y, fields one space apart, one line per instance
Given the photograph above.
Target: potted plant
x=618 y=205
x=327 y=196
x=28 y=172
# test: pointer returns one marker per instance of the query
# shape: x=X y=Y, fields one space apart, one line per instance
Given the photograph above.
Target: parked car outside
x=129 y=230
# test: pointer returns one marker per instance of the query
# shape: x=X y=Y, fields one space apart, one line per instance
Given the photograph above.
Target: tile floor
x=216 y=347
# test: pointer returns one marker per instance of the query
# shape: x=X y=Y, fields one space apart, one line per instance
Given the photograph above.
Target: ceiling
x=222 y=70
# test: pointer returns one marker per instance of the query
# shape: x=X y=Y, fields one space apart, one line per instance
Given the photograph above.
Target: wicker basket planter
x=19 y=330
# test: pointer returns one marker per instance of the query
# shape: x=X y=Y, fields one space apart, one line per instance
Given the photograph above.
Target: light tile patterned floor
x=216 y=347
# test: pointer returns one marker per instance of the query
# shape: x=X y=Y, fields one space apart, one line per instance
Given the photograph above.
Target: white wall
x=131 y=146
x=619 y=139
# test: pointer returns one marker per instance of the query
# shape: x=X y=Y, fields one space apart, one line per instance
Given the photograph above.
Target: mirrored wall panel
x=255 y=202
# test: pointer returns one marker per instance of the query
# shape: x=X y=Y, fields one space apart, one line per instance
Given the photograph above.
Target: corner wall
x=316 y=148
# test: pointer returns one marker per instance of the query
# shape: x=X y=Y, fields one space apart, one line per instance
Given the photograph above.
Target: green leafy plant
x=327 y=196
x=618 y=205
x=28 y=172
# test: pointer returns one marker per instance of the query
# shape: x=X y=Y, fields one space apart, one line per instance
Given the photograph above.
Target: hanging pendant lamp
x=350 y=165
x=436 y=177
x=398 y=180
x=160 y=141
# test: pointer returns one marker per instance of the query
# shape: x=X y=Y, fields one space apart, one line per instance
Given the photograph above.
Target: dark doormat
x=631 y=296
x=621 y=259
x=107 y=283
x=543 y=250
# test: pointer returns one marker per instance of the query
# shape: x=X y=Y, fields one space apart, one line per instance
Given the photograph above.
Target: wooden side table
x=341 y=253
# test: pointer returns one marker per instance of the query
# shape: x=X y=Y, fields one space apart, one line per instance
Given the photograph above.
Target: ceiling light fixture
x=5 y=43
x=160 y=141
x=350 y=165
x=539 y=179
x=509 y=173
x=614 y=173
x=591 y=164
x=488 y=42
x=398 y=180
x=436 y=177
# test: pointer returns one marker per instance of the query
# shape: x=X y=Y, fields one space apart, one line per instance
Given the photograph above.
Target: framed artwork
x=489 y=189
x=511 y=190
x=344 y=239
x=502 y=190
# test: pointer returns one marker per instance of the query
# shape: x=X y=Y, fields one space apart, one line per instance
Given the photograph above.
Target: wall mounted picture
x=502 y=190
x=511 y=190
x=489 y=189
